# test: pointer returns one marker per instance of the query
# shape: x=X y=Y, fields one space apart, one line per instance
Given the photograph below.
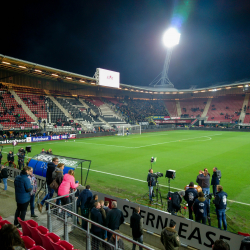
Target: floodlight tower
x=170 y=38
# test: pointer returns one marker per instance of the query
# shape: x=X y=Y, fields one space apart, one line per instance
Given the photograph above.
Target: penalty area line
x=117 y=175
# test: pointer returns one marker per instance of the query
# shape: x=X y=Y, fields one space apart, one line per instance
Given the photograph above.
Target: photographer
x=176 y=201
x=201 y=208
x=21 y=156
x=151 y=183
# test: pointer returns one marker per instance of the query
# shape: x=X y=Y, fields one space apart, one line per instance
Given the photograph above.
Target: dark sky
x=126 y=36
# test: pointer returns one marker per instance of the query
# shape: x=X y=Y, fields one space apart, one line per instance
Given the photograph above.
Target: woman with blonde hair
x=67 y=183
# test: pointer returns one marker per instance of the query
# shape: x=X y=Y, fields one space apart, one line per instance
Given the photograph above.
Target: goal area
x=132 y=129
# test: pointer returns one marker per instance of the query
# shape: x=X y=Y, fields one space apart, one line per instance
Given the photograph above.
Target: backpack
x=218 y=172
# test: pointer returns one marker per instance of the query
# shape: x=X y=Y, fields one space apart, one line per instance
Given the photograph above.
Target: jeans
x=48 y=196
x=5 y=183
x=21 y=211
x=140 y=240
x=221 y=216
x=205 y=192
x=32 y=204
x=150 y=193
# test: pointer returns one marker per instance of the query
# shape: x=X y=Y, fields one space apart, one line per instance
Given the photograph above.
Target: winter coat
x=114 y=219
x=136 y=223
x=58 y=175
x=170 y=239
x=84 y=199
x=67 y=183
x=22 y=188
x=50 y=169
x=220 y=200
x=201 y=208
x=215 y=180
x=191 y=195
x=4 y=173
x=205 y=180
x=96 y=216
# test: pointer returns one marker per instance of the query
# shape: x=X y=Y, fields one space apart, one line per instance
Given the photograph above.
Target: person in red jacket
x=67 y=183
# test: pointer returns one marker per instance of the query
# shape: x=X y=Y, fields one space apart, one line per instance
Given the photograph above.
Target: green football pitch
x=120 y=164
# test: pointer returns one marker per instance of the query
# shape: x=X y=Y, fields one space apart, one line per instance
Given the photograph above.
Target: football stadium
x=117 y=131
x=111 y=159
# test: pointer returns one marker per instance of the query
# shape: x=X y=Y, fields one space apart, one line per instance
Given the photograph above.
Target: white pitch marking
x=146 y=181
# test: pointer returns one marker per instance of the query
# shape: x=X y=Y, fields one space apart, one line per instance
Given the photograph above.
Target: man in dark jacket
x=21 y=156
x=169 y=237
x=50 y=169
x=220 y=203
x=204 y=177
x=96 y=216
x=10 y=158
x=201 y=208
x=215 y=180
x=136 y=223
x=83 y=202
x=22 y=192
x=114 y=218
x=4 y=176
x=190 y=196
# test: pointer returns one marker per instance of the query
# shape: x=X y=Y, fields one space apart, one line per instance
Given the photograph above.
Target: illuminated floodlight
x=171 y=37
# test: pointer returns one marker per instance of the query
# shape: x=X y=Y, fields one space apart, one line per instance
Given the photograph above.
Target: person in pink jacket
x=67 y=183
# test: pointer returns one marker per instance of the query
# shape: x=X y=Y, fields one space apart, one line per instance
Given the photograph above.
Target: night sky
x=126 y=36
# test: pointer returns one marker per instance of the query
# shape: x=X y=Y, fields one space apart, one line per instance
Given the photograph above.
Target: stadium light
x=171 y=37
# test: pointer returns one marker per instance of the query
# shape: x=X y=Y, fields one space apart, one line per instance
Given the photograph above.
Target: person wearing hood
x=169 y=237
x=67 y=183
x=50 y=169
x=23 y=188
x=201 y=208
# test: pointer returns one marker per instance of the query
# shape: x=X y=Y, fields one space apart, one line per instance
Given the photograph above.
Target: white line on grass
x=155 y=144
x=146 y=181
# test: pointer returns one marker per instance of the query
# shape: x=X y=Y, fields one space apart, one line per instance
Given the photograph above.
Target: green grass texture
x=120 y=164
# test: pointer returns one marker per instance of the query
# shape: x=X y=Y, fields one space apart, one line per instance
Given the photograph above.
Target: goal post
x=132 y=129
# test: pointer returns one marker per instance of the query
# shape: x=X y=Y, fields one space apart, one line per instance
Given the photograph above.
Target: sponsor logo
x=110 y=77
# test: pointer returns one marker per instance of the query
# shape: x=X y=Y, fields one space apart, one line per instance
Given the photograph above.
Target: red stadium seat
x=57 y=246
x=1 y=218
x=31 y=224
x=37 y=248
x=66 y=245
x=28 y=242
x=35 y=234
x=26 y=231
x=3 y=222
x=47 y=239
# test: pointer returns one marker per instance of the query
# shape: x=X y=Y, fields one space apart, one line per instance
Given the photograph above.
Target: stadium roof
x=30 y=68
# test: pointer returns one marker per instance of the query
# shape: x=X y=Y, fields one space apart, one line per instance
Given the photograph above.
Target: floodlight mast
x=170 y=38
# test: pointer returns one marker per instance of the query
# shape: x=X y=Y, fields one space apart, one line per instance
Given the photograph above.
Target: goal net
x=132 y=129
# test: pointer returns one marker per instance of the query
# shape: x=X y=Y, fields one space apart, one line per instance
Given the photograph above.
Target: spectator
x=220 y=245
x=104 y=215
x=50 y=169
x=1 y=156
x=10 y=158
x=21 y=156
x=120 y=243
x=43 y=151
x=92 y=202
x=96 y=216
x=136 y=223
x=23 y=188
x=114 y=218
x=190 y=196
x=201 y=208
x=83 y=202
x=106 y=206
x=198 y=180
x=220 y=203
x=205 y=182
x=33 y=182
x=67 y=183
x=58 y=174
x=4 y=176
x=215 y=180
x=10 y=238
x=169 y=237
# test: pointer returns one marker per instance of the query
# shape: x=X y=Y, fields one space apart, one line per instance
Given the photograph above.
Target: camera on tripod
x=157 y=174
x=208 y=196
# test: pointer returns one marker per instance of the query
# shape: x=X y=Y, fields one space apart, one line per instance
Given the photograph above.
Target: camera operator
x=176 y=201
x=191 y=195
x=10 y=158
x=21 y=156
x=201 y=208
x=215 y=180
x=151 y=183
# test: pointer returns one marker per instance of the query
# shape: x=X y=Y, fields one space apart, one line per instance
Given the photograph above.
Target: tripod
x=158 y=193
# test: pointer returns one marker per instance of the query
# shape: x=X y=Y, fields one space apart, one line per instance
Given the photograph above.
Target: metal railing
x=64 y=221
